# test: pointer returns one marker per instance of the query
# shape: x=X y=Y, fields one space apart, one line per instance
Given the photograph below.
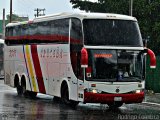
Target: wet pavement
x=153 y=97
x=13 y=107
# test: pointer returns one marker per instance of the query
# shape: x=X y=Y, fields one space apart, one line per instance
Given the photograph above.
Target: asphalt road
x=13 y=107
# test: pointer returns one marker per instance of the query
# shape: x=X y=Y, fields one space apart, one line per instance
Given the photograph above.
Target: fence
x=153 y=76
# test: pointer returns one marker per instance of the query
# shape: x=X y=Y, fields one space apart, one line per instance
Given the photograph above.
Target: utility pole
x=38 y=12
x=3 y=24
x=130 y=7
x=10 y=11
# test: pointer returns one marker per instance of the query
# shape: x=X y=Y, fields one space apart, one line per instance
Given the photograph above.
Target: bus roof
x=81 y=15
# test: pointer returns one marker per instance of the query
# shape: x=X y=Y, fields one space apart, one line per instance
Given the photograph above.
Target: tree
x=17 y=18
x=146 y=11
x=110 y=6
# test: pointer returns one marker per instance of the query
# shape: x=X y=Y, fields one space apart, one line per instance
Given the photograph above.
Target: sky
x=27 y=7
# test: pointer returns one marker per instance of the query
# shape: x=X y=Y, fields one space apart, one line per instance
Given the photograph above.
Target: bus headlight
x=138 y=91
x=93 y=90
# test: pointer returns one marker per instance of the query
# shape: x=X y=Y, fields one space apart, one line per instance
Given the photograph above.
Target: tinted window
x=111 y=32
x=76 y=30
x=24 y=30
x=116 y=65
x=56 y=31
x=32 y=29
x=60 y=27
x=76 y=46
x=43 y=28
x=103 y=64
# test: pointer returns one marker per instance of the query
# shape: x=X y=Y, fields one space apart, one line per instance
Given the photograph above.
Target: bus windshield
x=115 y=65
x=111 y=32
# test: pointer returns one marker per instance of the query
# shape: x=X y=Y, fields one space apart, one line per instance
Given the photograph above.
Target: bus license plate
x=117 y=98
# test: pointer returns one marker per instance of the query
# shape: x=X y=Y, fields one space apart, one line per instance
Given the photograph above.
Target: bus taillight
x=152 y=58
x=84 y=58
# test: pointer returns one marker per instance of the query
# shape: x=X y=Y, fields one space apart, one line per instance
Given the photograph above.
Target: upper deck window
x=111 y=32
x=53 y=31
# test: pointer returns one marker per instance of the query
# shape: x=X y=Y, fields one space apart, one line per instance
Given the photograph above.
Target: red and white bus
x=78 y=57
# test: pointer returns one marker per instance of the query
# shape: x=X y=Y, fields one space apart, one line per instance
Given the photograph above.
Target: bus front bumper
x=111 y=98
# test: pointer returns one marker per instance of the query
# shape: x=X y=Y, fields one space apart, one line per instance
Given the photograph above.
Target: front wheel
x=65 y=97
x=115 y=105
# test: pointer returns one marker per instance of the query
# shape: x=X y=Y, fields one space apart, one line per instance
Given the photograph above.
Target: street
x=13 y=107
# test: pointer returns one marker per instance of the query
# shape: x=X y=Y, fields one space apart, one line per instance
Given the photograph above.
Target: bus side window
x=24 y=30
x=76 y=44
x=60 y=28
x=43 y=28
x=32 y=29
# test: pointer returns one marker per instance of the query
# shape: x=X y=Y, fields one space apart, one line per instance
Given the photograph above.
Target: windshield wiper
x=135 y=78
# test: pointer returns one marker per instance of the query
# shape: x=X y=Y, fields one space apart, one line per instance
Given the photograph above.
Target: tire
x=115 y=105
x=74 y=104
x=32 y=94
x=24 y=91
x=56 y=99
x=23 y=85
x=19 y=90
x=65 y=97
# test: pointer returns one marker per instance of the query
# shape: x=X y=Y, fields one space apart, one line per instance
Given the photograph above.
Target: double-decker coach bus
x=78 y=57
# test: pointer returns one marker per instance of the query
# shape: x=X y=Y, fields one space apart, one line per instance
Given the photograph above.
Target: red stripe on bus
x=37 y=69
x=59 y=38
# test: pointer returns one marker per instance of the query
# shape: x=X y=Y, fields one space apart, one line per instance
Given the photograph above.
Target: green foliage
x=15 y=18
x=146 y=11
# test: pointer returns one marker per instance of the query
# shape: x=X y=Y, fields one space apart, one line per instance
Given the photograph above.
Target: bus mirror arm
x=152 y=58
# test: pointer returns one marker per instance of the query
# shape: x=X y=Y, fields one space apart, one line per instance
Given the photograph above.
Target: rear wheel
x=19 y=90
x=24 y=91
x=17 y=85
x=32 y=94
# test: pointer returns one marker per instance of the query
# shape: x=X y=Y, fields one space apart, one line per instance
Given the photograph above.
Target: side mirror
x=84 y=58
x=152 y=58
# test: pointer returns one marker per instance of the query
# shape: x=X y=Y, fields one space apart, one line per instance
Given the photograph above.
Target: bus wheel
x=65 y=94
x=115 y=105
x=56 y=99
x=32 y=94
x=65 y=97
x=74 y=103
x=24 y=91
x=19 y=90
